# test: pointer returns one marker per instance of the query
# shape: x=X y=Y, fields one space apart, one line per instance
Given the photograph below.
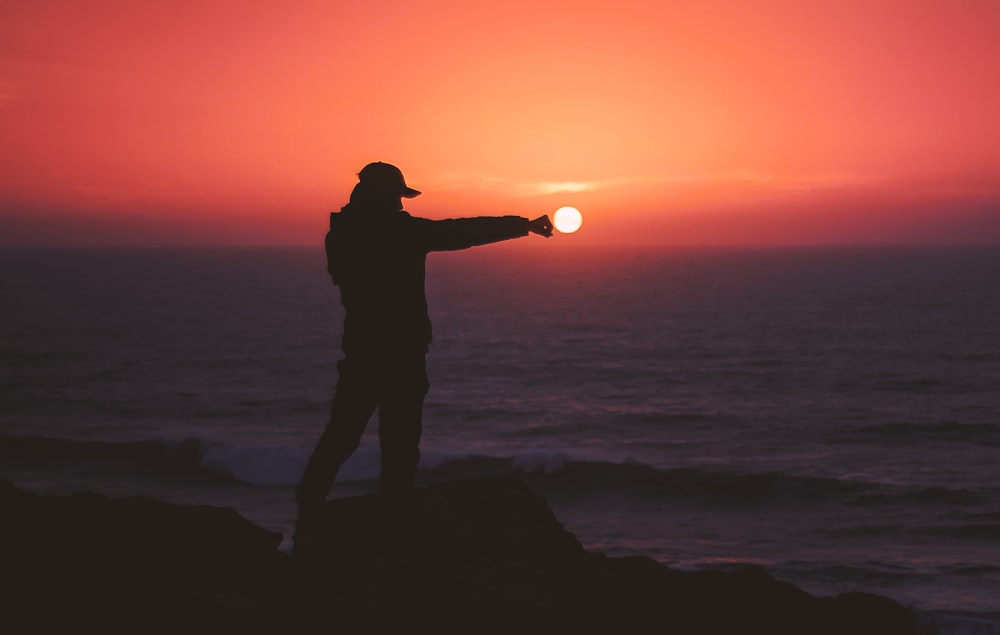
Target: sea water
x=831 y=414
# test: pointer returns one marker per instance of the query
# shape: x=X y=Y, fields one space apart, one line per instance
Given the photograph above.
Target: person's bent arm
x=461 y=233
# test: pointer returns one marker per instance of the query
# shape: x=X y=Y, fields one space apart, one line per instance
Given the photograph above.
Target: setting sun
x=567 y=219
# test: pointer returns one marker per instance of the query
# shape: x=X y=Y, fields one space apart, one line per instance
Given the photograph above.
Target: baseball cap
x=387 y=176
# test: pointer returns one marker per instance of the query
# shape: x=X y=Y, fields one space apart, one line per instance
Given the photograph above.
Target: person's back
x=378 y=263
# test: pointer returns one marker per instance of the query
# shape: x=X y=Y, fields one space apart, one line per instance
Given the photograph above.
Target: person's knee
x=336 y=451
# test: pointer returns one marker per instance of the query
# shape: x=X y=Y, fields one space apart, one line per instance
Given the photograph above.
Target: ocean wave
x=979 y=532
x=556 y=471
x=989 y=533
x=939 y=432
x=180 y=460
x=857 y=573
x=255 y=464
x=973 y=570
x=638 y=480
x=923 y=495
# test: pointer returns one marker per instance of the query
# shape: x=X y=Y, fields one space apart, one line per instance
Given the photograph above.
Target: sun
x=567 y=219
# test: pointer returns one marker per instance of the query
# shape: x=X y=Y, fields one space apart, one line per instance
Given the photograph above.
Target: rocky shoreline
x=475 y=556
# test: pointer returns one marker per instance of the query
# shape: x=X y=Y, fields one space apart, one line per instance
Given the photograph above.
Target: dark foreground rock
x=484 y=556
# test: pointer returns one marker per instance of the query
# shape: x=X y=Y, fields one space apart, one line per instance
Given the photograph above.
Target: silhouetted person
x=376 y=253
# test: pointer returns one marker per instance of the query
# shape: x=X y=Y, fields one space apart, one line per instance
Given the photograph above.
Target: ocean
x=830 y=414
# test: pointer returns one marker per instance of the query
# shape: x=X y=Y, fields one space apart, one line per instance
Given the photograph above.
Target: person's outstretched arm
x=461 y=233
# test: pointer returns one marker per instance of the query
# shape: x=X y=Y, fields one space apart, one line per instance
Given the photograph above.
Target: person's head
x=381 y=186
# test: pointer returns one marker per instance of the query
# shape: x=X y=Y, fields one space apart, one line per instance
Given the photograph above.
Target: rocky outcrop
x=483 y=556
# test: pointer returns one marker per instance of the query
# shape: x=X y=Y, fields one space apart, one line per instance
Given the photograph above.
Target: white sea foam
x=257 y=464
x=283 y=464
x=432 y=460
x=540 y=461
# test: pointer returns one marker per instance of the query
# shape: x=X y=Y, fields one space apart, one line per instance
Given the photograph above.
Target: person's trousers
x=397 y=386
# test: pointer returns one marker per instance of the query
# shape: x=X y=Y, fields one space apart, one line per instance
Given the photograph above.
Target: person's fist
x=541 y=226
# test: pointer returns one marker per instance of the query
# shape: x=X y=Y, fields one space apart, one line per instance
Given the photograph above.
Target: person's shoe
x=304 y=545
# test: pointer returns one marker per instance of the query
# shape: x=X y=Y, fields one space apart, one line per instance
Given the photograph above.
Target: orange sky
x=763 y=122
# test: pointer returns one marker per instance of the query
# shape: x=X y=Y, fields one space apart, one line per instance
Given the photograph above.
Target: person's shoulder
x=410 y=219
x=344 y=223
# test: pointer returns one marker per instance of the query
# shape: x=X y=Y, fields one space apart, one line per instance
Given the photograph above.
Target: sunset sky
x=709 y=122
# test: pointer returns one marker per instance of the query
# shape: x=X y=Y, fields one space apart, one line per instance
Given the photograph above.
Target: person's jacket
x=378 y=259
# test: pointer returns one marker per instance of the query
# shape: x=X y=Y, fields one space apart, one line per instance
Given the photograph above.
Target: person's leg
x=353 y=404
x=400 y=424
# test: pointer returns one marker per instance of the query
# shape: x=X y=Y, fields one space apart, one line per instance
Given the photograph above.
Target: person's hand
x=541 y=226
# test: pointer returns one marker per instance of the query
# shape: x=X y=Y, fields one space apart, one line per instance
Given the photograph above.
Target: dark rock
x=132 y=565
x=485 y=556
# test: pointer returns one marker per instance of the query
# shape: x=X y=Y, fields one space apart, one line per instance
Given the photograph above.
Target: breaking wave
x=558 y=471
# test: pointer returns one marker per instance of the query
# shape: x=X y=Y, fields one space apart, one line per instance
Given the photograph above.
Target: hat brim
x=409 y=192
